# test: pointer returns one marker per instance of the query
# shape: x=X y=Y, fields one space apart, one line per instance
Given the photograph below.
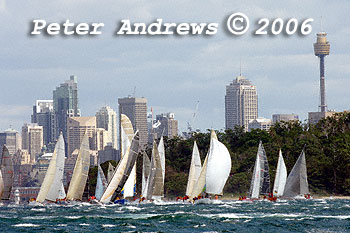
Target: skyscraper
x=11 y=139
x=44 y=116
x=65 y=104
x=168 y=125
x=136 y=110
x=32 y=139
x=241 y=103
x=106 y=118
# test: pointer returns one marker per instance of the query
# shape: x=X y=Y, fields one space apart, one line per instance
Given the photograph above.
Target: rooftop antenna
x=240 y=66
x=134 y=94
x=321 y=23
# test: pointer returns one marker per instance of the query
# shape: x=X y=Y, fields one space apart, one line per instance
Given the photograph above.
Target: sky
x=172 y=72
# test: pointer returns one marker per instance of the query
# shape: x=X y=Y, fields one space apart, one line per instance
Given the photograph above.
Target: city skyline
x=172 y=73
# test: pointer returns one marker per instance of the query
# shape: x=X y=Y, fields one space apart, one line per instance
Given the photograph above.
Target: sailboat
x=52 y=187
x=80 y=172
x=195 y=170
x=110 y=172
x=146 y=170
x=155 y=187
x=123 y=170
x=297 y=185
x=101 y=183
x=127 y=132
x=260 y=184
x=6 y=170
x=281 y=177
x=215 y=171
x=161 y=151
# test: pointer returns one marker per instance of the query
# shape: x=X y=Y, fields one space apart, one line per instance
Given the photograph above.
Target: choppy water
x=261 y=216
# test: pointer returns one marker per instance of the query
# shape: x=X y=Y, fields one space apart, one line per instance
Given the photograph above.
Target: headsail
x=123 y=170
x=80 y=172
x=127 y=132
x=161 y=151
x=7 y=173
x=218 y=168
x=1 y=185
x=155 y=189
x=281 y=177
x=195 y=170
x=146 y=170
x=260 y=184
x=297 y=179
x=101 y=183
x=51 y=188
x=110 y=172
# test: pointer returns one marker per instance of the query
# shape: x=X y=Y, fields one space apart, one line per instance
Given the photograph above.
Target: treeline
x=326 y=145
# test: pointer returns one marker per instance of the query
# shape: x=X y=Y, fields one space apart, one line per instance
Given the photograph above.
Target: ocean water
x=227 y=216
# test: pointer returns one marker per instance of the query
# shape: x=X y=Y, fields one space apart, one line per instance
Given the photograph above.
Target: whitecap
x=26 y=225
x=108 y=225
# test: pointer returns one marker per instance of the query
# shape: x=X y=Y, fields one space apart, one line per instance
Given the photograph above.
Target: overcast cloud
x=172 y=72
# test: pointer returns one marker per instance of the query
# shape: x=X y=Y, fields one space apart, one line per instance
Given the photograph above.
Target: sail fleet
x=204 y=180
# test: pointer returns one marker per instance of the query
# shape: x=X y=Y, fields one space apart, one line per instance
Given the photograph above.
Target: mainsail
x=260 y=184
x=195 y=170
x=1 y=185
x=127 y=132
x=218 y=168
x=155 y=189
x=297 y=179
x=161 y=151
x=51 y=188
x=7 y=174
x=281 y=177
x=101 y=183
x=123 y=170
x=110 y=172
x=146 y=170
x=80 y=172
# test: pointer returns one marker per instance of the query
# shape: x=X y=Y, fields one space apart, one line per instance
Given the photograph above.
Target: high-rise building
x=77 y=127
x=241 y=103
x=11 y=139
x=106 y=118
x=65 y=104
x=32 y=139
x=43 y=115
x=284 y=117
x=136 y=110
x=166 y=125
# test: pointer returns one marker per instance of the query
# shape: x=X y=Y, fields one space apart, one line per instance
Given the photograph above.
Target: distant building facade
x=315 y=117
x=106 y=118
x=168 y=126
x=284 y=117
x=108 y=153
x=241 y=103
x=65 y=104
x=260 y=123
x=44 y=116
x=32 y=139
x=11 y=139
x=136 y=110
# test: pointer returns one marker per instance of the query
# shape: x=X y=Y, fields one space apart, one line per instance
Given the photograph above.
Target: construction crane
x=194 y=115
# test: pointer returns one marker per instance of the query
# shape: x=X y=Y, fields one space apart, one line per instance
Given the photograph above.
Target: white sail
x=218 y=168
x=101 y=183
x=281 y=177
x=161 y=151
x=155 y=189
x=146 y=170
x=80 y=172
x=110 y=172
x=297 y=184
x=195 y=170
x=260 y=183
x=127 y=133
x=51 y=187
x=123 y=170
x=255 y=183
